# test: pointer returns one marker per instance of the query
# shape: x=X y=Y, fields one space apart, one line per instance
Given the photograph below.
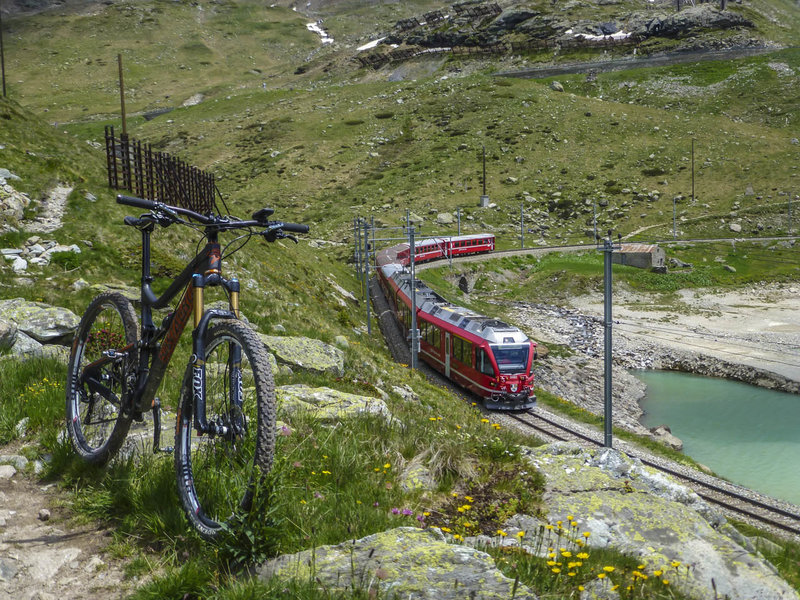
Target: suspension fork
x=202 y=318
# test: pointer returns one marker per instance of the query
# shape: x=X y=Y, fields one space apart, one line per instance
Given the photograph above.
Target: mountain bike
x=225 y=429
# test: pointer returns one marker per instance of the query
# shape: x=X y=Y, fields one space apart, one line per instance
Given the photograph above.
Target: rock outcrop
x=328 y=405
x=406 y=562
x=306 y=353
x=44 y=323
x=643 y=513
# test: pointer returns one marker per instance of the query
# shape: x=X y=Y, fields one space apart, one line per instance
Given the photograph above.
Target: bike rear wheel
x=218 y=473
x=100 y=373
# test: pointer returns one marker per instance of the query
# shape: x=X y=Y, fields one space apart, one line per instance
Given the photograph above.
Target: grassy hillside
x=324 y=142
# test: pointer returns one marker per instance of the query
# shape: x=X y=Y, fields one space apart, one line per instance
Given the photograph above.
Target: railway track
x=735 y=501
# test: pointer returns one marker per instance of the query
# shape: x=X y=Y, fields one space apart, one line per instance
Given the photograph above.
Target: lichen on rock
x=328 y=405
x=406 y=562
x=305 y=353
x=644 y=513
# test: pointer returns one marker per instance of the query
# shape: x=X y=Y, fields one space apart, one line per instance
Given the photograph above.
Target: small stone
x=729 y=268
x=735 y=227
x=44 y=514
x=556 y=87
x=7 y=471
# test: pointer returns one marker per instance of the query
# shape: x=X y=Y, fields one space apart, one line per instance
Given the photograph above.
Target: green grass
x=323 y=147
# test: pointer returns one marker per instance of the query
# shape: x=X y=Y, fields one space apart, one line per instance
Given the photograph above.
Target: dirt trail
x=51 y=559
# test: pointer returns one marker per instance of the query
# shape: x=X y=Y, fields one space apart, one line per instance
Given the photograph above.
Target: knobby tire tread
x=130 y=322
x=257 y=356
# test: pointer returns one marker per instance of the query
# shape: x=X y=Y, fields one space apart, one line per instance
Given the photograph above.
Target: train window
x=511 y=358
x=462 y=350
x=483 y=363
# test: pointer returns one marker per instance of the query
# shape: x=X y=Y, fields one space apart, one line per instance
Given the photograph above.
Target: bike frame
x=205 y=270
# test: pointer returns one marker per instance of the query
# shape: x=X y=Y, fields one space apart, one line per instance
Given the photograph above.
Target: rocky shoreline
x=572 y=363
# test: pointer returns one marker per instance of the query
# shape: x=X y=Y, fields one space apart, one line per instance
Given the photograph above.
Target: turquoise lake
x=746 y=434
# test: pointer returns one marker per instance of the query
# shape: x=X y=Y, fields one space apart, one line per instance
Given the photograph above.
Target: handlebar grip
x=137 y=202
x=295 y=227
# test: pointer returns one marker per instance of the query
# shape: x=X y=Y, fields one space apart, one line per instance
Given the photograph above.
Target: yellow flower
x=387 y=466
x=468 y=498
x=520 y=534
x=426 y=514
x=572 y=573
x=675 y=564
x=586 y=534
x=614 y=588
x=446 y=529
x=302 y=501
x=556 y=570
x=484 y=420
x=665 y=582
x=658 y=573
x=640 y=567
x=608 y=569
x=580 y=588
x=551 y=563
x=574 y=523
x=326 y=472
x=566 y=554
x=570 y=517
x=502 y=533
x=601 y=575
x=583 y=555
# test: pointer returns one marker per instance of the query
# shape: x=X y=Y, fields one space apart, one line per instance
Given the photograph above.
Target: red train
x=484 y=355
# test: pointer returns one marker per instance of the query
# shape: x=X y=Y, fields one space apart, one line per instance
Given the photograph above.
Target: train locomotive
x=484 y=355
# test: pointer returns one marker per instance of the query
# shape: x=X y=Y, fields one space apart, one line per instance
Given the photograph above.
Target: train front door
x=447 y=354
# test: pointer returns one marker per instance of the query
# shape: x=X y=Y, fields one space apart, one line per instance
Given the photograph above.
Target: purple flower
x=395 y=511
x=376 y=505
x=421 y=518
x=408 y=512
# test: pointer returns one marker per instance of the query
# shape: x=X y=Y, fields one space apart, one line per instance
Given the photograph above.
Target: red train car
x=484 y=355
x=435 y=248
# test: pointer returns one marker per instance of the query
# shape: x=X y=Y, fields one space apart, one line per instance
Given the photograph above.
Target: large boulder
x=8 y=334
x=406 y=562
x=328 y=405
x=644 y=513
x=306 y=353
x=44 y=323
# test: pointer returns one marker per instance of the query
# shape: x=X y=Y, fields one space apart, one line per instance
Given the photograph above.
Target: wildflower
x=358 y=501
x=387 y=466
x=581 y=588
x=640 y=567
x=484 y=420
x=573 y=523
x=446 y=529
x=586 y=534
x=559 y=523
x=665 y=582
x=551 y=563
x=454 y=494
x=457 y=537
x=467 y=524
x=468 y=499
x=520 y=534
x=550 y=527
x=608 y=569
x=326 y=472
x=431 y=418
x=377 y=469
x=302 y=501
x=407 y=512
x=426 y=514
x=395 y=511
x=572 y=573
x=583 y=555
x=551 y=555
x=658 y=573
x=375 y=504
x=601 y=575
x=615 y=588
x=570 y=517
x=566 y=554
x=675 y=564
x=501 y=533
x=556 y=570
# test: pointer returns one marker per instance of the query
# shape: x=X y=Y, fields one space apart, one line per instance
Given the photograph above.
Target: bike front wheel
x=218 y=471
x=100 y=374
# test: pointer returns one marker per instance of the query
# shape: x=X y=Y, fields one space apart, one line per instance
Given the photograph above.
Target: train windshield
x=511 y=358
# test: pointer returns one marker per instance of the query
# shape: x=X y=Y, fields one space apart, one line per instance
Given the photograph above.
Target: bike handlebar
x=219 y=222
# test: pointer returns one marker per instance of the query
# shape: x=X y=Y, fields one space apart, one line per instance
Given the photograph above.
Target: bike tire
x=218 y=475
x=96 y=421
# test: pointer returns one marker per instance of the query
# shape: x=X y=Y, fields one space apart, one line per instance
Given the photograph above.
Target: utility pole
x=607 y=248
x=2 y=53
x=366 y=274
x=674 y=216
x=522 y=224
x=692 y=171
x=122 y=98
x=414 y=333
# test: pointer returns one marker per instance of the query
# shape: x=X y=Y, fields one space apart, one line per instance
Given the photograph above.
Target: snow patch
x=315 y=28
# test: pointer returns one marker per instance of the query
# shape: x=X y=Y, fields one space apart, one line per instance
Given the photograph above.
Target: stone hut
x=642 y=256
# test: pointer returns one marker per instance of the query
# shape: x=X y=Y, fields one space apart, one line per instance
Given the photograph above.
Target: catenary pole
x=2 y=52
x=608 y=249
x=413 y=333
x=366 y=275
